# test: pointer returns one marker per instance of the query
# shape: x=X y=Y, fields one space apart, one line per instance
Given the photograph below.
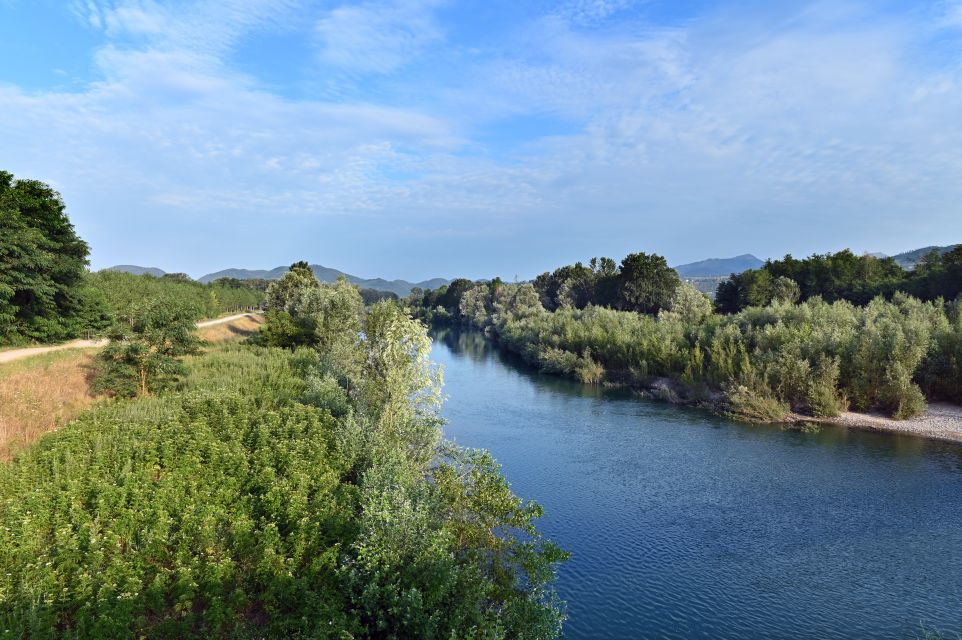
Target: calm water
x=683 y=525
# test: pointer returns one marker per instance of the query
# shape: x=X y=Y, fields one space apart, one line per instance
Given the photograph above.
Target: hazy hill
x=909 y=259
x=326 y=274
x=719 y=266
x=137 y=271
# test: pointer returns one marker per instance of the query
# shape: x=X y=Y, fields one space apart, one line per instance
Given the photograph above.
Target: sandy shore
x=942 y=421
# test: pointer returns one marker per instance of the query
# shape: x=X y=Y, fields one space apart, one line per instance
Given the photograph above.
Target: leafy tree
x=646 y=283
x=286 y=294
x=42 y=264
x=373 y=296
x=143 y=355
x=450 y=299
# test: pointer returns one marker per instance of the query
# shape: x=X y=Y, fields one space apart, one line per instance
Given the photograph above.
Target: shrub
x=823 y=398
x=143 y=354
x=754 y=405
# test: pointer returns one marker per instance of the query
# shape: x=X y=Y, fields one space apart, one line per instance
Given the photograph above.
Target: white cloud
x=764 y=135
x=377 y=37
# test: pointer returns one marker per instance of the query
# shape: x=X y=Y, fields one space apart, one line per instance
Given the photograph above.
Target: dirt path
x=17 y=354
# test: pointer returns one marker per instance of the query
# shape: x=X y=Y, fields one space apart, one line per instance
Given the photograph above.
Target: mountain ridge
x=716 y=267
x=137 y=270
x=327 y=274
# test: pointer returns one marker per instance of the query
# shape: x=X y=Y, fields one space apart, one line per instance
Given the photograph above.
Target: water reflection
x=682 y=524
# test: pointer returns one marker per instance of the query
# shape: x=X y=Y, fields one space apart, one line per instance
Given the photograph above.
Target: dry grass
x=229 y=331
x=41 y=393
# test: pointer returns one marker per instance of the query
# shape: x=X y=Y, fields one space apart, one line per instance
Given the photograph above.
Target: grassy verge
x=41 y=393
x=231 y=331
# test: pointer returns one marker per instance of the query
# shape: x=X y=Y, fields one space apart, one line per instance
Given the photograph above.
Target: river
x=685 y=525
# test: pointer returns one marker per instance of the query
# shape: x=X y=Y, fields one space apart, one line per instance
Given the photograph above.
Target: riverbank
x=942 y=421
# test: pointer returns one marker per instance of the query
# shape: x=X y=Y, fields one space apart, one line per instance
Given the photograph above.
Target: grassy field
x=230 y=331
x=42 y=393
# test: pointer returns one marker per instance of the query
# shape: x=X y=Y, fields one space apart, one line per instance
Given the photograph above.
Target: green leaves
x=231 y=509
x=143 y=354
x=42 y=263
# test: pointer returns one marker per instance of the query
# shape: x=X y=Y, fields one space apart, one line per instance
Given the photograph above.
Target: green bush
x=813 y=357
x=753 y=405
x=824 y=400
x=218 y=521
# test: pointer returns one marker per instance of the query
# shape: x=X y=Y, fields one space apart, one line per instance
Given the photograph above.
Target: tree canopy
x=43 y=292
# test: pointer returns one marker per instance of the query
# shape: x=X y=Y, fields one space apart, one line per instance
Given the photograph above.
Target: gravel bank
x=942 y=421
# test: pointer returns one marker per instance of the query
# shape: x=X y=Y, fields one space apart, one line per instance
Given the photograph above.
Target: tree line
x=816 y=357
x=842 y=276
x=47 y=293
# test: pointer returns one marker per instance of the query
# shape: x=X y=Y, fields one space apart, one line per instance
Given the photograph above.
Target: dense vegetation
x=43 y=290
x=642 y=283
x=815 y=357
x=300 y=492
x=842 y=276
x=124 y=292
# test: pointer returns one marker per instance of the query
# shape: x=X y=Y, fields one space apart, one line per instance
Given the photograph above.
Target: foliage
x=280 y=493
x=813 y=357
x=842 y=276
x=373 y=296
x=143 y=354
x=123 y=292
x=646 y=283
x=43 y=292
x=755 y=405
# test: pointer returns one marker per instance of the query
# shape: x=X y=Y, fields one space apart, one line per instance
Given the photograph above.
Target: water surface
x=684 y=525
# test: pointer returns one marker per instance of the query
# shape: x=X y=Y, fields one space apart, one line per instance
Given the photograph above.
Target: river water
x=685 y=525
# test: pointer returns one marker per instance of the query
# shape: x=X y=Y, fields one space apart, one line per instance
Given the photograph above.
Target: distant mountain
x=909 y=259
x=714 y=267
x=137 y=271
x=326 y=274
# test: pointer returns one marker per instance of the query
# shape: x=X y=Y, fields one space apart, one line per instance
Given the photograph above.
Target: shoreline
x=942 y=422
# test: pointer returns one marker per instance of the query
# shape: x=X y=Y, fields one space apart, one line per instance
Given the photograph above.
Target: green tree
x=42 y=263
x=143 y=355
x=646 y=283
x=691 y=304
x=287 y=293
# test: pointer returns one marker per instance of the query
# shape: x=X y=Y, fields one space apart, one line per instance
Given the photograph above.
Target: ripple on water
x=682 y=525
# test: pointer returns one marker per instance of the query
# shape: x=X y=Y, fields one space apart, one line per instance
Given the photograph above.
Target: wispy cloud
x=808 y=127
x=377 y=37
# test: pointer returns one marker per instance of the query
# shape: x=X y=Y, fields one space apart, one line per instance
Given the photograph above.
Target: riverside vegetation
x=638 y=324
x=295 y=486
x=278 y=492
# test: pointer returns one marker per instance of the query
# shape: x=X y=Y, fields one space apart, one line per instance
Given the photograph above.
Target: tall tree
x=42 y=263
x=646 y=283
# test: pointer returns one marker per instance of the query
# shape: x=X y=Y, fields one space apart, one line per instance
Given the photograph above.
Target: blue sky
x=428 y=138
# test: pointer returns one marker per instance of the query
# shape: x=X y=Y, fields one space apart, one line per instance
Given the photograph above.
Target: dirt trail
x=17 y=354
